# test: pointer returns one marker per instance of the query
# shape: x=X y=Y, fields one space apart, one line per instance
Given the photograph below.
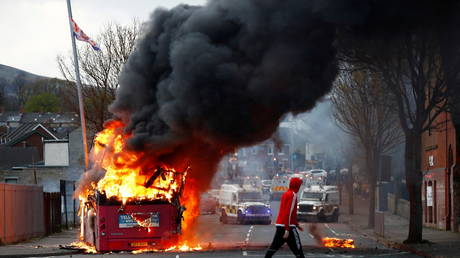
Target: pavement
x=439 y=243
x=42 y=247
x=227 y=240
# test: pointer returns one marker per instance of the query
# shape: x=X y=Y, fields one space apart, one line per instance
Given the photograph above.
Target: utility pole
x=79 y=91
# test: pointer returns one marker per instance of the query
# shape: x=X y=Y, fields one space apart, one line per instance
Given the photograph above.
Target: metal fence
x=52 y=212
x=21 y=212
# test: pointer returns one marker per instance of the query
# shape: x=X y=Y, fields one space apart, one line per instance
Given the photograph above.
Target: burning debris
x=337 y=242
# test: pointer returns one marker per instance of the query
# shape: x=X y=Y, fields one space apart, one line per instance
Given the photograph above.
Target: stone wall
x=402 y=209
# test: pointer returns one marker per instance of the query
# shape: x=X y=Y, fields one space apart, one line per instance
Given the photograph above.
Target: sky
x=34 y=32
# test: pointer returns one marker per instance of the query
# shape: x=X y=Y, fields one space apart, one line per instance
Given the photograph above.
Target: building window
x=11 y=180
x=270 y=149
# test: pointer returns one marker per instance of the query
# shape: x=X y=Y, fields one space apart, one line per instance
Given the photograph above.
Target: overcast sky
x=34 y=32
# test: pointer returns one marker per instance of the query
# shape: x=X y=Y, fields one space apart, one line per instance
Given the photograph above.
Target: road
x=252 y=240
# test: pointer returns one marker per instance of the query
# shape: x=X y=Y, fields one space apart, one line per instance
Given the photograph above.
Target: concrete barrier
x=21 y=212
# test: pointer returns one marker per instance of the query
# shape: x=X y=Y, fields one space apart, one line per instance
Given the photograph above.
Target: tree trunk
x=351 y=206
x=397 y=195
x=414 y=180
x=456 y=184
x=372 y=167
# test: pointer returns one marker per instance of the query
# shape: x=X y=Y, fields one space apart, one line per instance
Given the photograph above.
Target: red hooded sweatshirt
x=287 y=215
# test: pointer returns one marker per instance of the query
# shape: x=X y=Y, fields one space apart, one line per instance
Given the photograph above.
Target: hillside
x=12 y=79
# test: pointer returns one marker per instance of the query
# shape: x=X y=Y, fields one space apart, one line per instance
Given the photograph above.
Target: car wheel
x=321 y=216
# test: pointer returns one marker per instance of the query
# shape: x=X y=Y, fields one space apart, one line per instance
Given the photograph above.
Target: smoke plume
x=203 y=81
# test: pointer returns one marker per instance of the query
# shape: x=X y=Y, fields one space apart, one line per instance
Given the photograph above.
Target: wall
x=402 y=209
x=35 y=140
x=56 y=153
x=21 y=213
x=47 y=177
x=438 y=144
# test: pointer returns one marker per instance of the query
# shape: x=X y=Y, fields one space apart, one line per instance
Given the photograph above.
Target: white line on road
x=177 y=256
x=327 y=226
x=246 y=241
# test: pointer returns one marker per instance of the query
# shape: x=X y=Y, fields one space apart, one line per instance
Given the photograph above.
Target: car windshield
x=316 y=171
x=312 y=196
x=249 y=196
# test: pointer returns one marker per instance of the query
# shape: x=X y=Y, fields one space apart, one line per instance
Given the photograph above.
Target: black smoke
x=203 y=81
x=224 y=74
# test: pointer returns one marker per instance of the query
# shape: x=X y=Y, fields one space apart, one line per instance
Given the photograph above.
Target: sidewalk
x=441 y=243
x=47 y=246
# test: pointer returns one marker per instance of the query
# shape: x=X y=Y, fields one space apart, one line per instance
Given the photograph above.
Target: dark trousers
x=293 y=242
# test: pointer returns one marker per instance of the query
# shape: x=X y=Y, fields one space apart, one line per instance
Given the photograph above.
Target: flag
x=80 y=35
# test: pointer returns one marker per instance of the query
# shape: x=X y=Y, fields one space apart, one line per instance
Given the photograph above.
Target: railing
x=52 y=212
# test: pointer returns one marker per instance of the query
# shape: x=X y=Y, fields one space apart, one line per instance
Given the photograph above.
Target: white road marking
x=311 y=236
x=177 y=256
x=245 y=253
x=327 y=226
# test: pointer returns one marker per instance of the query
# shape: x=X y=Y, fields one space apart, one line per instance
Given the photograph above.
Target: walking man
x=286 y=223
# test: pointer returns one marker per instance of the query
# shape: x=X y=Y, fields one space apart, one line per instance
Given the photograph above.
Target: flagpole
x=80 y=97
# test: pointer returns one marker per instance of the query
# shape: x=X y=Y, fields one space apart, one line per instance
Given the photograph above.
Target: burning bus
x=134 y=204
x=152 y=223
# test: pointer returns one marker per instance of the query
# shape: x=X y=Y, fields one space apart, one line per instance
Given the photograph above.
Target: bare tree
x=363 y=110
x=411 y=69
x=99 y=71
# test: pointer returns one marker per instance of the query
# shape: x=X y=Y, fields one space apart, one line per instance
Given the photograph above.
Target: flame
x=184 y=247
x=136 y=176
x=337 y=242
x=89 y=249
x=125 y=175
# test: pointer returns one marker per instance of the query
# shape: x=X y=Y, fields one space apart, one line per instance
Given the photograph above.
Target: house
x=28 y=135
x=438 y=150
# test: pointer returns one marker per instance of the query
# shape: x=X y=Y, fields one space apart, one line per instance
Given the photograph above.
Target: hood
x=295 y=184
x=310 y=202
x=247 y=204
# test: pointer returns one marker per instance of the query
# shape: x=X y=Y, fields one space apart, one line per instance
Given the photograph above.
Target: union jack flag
x=80 y=35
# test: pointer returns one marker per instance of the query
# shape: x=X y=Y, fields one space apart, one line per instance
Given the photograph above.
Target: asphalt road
x=252 y=240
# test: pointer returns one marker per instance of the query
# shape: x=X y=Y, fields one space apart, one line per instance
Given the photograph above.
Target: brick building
x=438 y=150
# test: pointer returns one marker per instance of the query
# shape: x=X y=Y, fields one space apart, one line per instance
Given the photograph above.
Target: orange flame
x=130 y=176
x=85 y=247
x=337 y=242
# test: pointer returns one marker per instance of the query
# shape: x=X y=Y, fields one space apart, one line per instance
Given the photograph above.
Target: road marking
x=327 y=226
x=311 y=236
x=246 y=241
x=177 y=256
